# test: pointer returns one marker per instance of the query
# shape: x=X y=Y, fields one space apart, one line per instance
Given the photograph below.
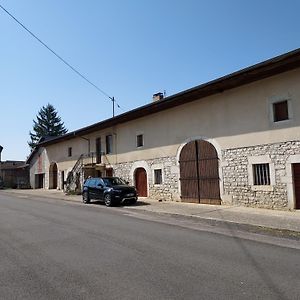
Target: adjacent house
x=234 y=140
x=14 y=174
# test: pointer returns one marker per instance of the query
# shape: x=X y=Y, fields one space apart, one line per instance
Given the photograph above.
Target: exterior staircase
x=75 y=176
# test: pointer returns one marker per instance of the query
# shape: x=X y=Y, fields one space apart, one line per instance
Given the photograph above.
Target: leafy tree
x=47 y=123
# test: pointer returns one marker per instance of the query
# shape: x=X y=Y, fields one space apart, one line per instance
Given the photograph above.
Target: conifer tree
x=47 y=123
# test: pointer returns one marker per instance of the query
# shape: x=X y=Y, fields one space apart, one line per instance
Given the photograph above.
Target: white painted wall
x=236 y=118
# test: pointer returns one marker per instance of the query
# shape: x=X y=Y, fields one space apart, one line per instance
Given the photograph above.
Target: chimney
x=1 y=148
x=157 y=97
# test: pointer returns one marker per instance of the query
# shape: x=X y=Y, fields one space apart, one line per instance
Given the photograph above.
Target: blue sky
x=130 y=49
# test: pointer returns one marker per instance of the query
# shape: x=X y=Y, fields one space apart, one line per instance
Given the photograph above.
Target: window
x=261 y=174
x=70 y=151
x=109 y=144
x=157 y=176
x=98 y=150
x=139 y=140
x=280 y=111
x=91 y=183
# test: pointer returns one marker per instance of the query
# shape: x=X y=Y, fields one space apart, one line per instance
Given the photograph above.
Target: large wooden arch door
x=53 y=176
x=141 y=182
x=199 y=173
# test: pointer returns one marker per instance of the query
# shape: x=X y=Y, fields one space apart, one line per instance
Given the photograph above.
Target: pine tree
x=48 y=123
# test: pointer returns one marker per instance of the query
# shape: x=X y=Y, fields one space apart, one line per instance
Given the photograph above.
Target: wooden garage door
x=199 y=173
x=141 y=182
x=296 y=175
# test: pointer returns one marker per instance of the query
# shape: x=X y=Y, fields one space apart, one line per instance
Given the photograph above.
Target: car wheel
x=85 y=197
x=108 y=200
x=134 y=201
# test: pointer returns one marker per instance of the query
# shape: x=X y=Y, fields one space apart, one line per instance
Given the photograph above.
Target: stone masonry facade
x=238 y=189
x=168 y=190
x=236 y=175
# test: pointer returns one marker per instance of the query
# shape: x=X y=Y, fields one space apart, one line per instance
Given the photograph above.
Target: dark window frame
x=70 y=152
x=158 y=176
x=109 y=144
x=261 y=174
x=281 y=111
x=139 y=140
x=98 y=150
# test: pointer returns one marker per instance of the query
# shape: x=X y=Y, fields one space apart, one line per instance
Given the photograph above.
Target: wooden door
x=199 y=173
x=54 y=174
x=39 y=181
x=62 y=180
x=109 y=172
x=189 y=173
x=296 y=177
x=141 y=182
x=98 y=150
x=208 y=165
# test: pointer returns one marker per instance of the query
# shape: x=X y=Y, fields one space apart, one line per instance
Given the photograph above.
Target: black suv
x=111 y=190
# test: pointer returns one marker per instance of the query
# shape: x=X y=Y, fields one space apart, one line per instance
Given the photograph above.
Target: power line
x=60 y=58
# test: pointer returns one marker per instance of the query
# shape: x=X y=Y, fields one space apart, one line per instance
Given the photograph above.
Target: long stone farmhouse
x=234 y=140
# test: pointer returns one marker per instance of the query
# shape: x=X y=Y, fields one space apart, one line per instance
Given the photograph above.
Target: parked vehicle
x=111 y=190
x=1 y=183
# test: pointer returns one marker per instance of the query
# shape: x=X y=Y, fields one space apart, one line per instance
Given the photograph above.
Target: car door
x=99 y=189
x=92 y=188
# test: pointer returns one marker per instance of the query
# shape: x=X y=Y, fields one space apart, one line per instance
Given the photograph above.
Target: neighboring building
x=234 y=140
x=14 y=174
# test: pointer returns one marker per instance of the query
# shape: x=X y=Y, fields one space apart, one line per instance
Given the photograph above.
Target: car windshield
x=113 y=181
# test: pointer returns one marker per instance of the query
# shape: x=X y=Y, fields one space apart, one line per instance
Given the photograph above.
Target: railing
x=75 y=177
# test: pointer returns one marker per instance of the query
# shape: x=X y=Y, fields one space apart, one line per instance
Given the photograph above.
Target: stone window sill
x=263 y=188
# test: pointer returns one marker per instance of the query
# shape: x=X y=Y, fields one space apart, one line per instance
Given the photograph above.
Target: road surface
x=54 y=249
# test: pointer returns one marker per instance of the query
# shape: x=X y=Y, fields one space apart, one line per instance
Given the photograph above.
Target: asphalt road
x=53 y=249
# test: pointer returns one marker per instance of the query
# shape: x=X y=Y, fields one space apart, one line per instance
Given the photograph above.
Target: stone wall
x=236 y=175
x=168 y=190
x=237 y=178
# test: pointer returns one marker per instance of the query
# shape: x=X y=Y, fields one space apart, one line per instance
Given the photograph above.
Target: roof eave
x=268 y=68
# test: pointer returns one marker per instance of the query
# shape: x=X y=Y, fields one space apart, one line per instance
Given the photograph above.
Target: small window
x=158 y=176
x=139 y=140
x=109 y=144
x=280 y=111
x=261 y=174
x=70 y=151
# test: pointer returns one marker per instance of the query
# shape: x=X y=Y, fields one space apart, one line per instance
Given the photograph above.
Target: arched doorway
x=53 y=176
x=140 y=177
x=199 y=173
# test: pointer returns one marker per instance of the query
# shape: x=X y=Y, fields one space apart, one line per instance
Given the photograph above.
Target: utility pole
x=113 y=103
x=1 y=148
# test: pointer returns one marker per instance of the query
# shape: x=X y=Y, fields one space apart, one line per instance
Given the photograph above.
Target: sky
x=130 y=49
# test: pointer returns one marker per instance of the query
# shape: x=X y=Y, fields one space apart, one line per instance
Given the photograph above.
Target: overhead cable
x=59 y=57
